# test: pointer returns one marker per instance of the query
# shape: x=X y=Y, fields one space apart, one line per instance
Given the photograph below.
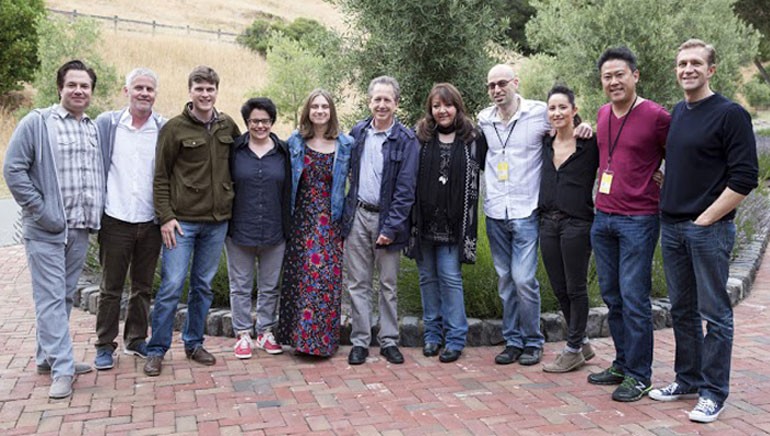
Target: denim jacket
x=339 y=171
x=399 y=179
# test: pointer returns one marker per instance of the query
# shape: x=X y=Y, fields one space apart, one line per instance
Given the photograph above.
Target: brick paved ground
x=286 y=394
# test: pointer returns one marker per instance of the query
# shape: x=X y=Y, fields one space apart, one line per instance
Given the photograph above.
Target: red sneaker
x=243 y=346
x=267 y=342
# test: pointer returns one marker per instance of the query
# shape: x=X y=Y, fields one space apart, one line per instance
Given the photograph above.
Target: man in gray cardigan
x=53 y=168
x=129 y=239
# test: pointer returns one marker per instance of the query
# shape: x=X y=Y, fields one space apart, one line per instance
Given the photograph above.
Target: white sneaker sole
x=699 y=417
x=243 y=356
x=279 y=351
x=656 y=395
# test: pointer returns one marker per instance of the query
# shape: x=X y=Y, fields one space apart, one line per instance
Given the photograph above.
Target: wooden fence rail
x=153 y=25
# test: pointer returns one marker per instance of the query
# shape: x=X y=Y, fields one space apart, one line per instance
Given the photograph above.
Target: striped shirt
x=81 y=178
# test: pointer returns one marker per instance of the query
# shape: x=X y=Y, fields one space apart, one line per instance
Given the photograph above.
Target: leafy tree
x=421 y=42
x=576 y=32
x=62 y=40
x=293 y=71
x=309 y=32
x=757 y=13
x=518 y=12
x=18 y=39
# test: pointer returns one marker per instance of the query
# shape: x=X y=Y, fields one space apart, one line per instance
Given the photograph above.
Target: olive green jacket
x=192 y=174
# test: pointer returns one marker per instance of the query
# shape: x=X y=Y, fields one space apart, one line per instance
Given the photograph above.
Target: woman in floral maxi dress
x=312 y=272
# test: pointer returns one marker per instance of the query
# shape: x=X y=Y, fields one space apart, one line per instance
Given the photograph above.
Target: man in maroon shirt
x=631 y=134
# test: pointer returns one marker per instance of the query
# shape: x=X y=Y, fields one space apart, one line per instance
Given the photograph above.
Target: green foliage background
x=575 y=33
x=18 y=41
x=423 y=42
x=62 y=40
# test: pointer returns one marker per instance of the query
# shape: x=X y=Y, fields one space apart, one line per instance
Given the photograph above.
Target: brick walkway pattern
x=287 y=394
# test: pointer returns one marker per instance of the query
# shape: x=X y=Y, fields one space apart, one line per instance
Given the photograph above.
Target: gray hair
x=385 y=80
x=141 y=72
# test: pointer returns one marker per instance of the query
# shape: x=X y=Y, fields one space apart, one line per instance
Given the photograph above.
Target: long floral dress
x=312 y=274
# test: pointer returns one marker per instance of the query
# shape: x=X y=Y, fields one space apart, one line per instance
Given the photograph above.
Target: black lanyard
x=505 y=144
x=617 y=137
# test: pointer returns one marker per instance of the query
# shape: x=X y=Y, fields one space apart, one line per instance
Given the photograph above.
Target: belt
x=368 y=207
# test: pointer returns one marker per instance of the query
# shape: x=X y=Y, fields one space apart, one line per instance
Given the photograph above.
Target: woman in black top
x=567 y=211
x=444 y=217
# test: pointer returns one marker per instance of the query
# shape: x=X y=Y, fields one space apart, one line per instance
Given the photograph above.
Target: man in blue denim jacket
x=383 y=176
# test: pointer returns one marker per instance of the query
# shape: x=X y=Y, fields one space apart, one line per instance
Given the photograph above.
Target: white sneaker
x=673 y=392
x=707 y=410
x=267 y=342
x=243 y=345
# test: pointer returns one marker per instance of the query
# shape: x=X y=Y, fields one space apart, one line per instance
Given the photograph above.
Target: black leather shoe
x=201 y=356
x=153 y=365
x=449 y=355
x=430 y=349
x=358 y=355
x=508 y=356
x=392 y=354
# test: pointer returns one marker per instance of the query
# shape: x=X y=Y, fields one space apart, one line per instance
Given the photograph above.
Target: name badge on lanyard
x=606 y=182
x=502 y=166
x=502 y=171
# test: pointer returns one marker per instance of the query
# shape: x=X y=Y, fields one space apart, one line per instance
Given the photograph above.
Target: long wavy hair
x=306 y=126
x=449 y=95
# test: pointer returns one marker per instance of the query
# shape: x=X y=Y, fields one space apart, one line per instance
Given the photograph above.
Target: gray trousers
x=361 y=258
x=240 y=269
x=55 y=268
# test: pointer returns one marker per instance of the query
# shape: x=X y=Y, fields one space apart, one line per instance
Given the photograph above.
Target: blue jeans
x=441 y=288
x=623 y=248
x=203 y=243
x=697 y=263
x=513 y=243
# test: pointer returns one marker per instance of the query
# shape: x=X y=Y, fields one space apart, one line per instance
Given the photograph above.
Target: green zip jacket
x=192 y=174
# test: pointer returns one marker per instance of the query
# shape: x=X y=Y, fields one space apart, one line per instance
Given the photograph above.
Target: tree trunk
x=762 y=70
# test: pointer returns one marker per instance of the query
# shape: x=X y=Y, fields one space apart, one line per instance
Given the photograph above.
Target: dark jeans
x=124 y=245
x=565 y=244
x=623 y=249
x=697 y=264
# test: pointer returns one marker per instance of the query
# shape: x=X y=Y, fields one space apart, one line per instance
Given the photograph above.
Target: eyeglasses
x=267 y=122
x=500 y=83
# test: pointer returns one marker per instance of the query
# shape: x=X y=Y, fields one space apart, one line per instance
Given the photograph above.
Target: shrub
x=62 y=40
x=757 y=93
x=19 y=41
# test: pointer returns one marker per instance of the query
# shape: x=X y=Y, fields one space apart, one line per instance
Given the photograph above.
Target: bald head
x=501 y=70
x=502 y=86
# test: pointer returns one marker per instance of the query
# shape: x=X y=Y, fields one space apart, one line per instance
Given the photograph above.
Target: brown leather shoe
x=153 y=365
x=201 y=356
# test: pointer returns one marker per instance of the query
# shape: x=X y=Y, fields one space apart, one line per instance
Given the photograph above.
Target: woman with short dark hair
x=261 y=173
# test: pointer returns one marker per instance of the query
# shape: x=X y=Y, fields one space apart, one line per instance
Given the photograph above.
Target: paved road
x=287 y=394
x=9 y=215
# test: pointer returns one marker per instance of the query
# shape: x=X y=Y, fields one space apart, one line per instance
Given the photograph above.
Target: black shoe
x=392 y=354
x=508 y=356
x=201 y=356
x=430 y=349
x=530 y=356
x=449 y=355
x=610 y=376
x=631 y=390
x=358 y=355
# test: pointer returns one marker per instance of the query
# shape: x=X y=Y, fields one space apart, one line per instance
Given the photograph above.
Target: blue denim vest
x=339 y=170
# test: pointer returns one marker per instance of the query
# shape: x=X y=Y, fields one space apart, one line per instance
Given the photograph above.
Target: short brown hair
x=711 y=53
x=306 y=127
x=202 y=73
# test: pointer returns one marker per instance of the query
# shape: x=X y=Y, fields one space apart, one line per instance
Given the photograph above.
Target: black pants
x=125 y=247
x=565 y=244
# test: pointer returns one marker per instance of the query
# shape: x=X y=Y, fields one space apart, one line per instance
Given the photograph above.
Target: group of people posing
x=293 y=212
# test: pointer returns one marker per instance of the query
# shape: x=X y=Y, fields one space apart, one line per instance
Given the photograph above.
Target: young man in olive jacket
x=193 y=197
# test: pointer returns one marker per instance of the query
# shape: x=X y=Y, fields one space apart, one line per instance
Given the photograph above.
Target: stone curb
x=485 y=332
